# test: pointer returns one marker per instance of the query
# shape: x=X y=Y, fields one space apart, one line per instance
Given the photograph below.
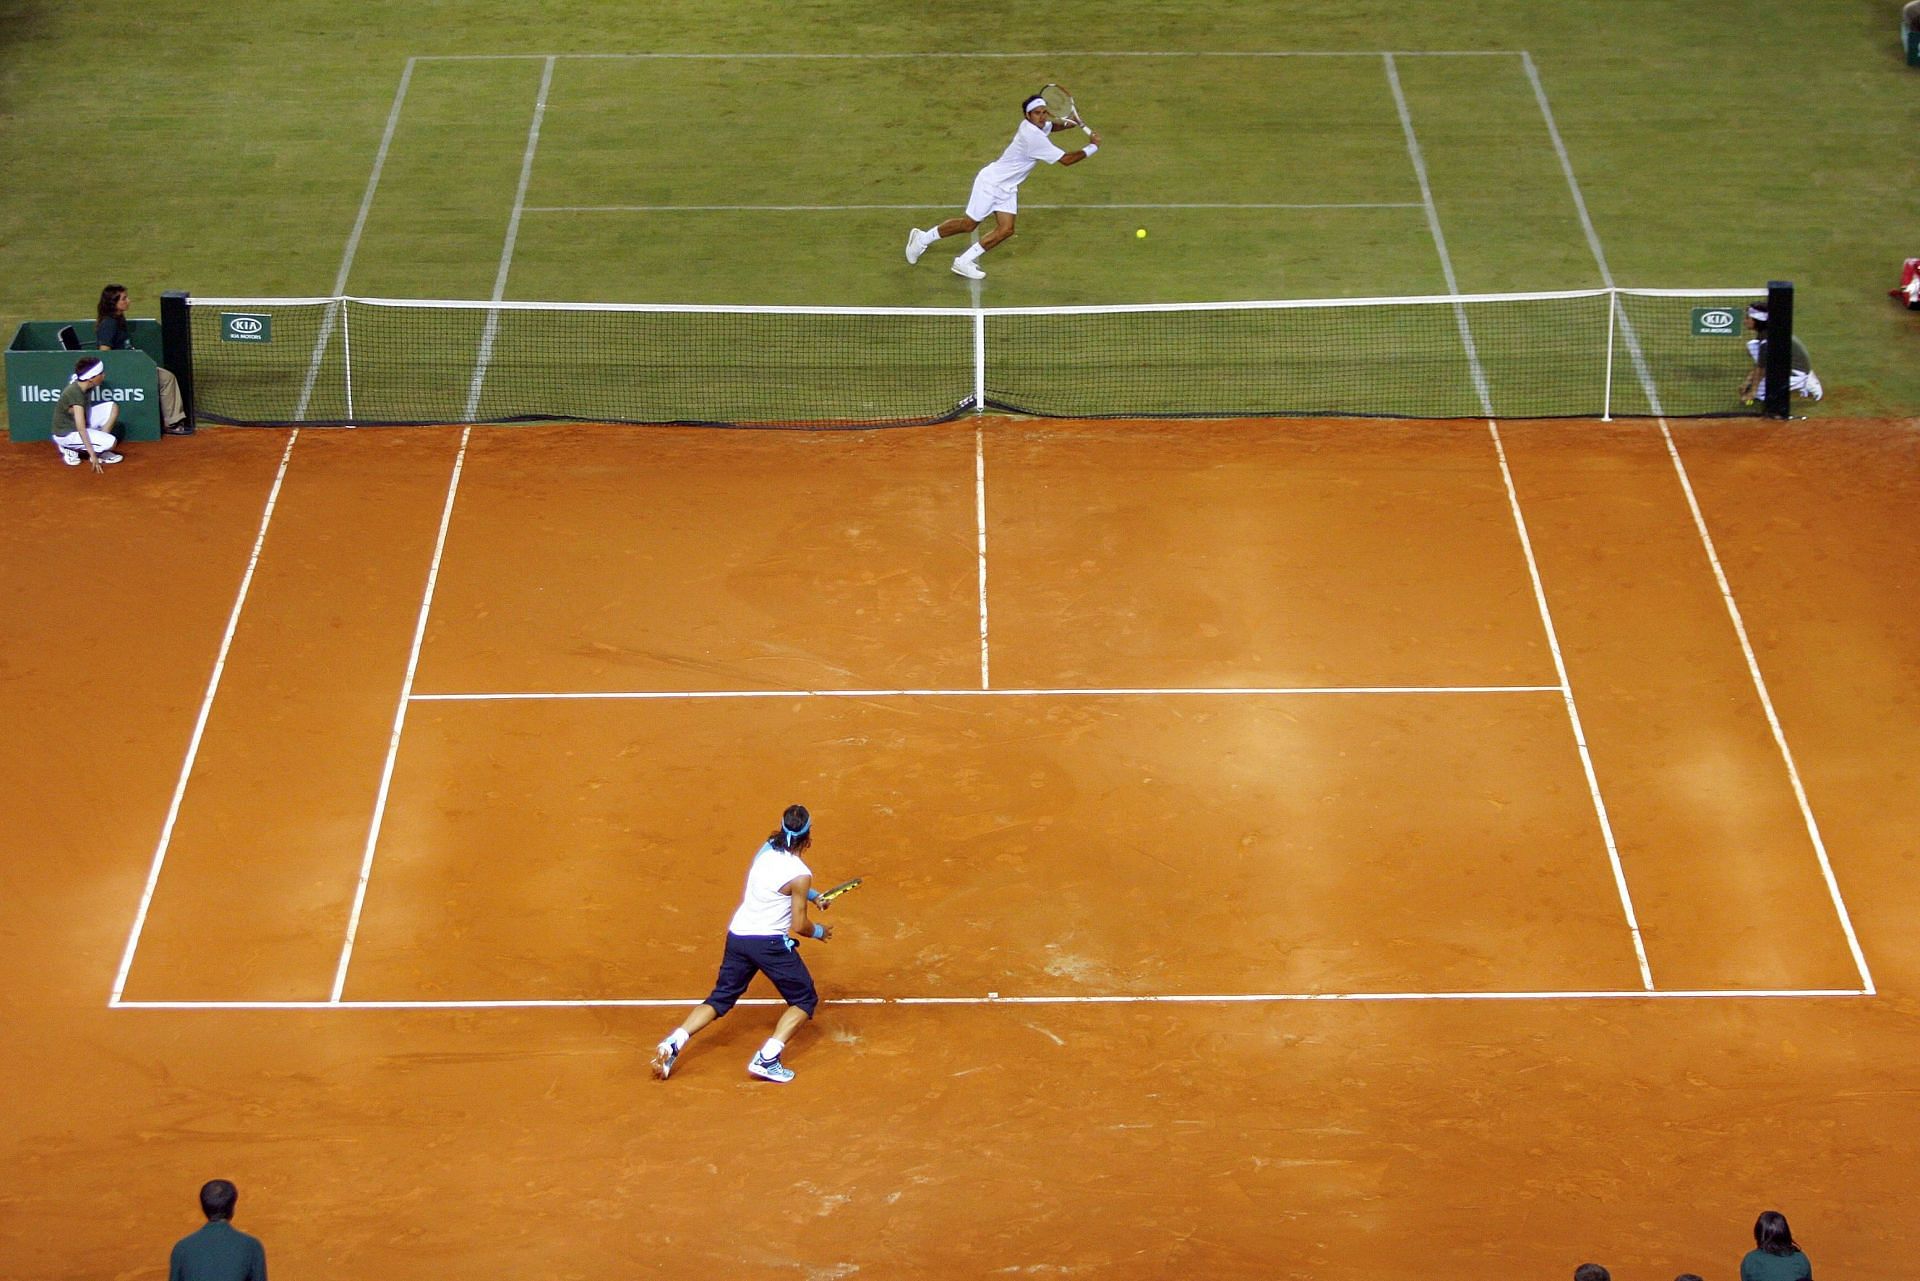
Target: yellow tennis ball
x=1139 y=233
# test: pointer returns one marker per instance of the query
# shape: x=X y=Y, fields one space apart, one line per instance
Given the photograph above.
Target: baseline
x=1043 y=53
x=507 y=696
x=1219 y=998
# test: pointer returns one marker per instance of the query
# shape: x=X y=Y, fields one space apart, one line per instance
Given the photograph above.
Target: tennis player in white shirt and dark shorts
x=764 y=938
x=996 y=188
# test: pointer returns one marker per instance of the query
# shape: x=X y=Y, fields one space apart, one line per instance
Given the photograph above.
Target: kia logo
x=1717 y=319
x=251 y=324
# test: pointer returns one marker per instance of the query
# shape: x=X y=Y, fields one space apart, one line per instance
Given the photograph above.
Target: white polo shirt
x=763 y=908
x=1029 y=147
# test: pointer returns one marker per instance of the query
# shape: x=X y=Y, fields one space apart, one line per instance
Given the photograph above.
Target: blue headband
x=793 y=834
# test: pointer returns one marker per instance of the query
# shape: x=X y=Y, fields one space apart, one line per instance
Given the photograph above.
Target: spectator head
x=1591 y=1272
x=217 y=1199
x=1772 y=1235
x=110 y=296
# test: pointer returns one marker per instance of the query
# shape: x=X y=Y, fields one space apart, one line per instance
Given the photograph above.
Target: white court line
x=980 y=523
x=200 y=727
x=485 y=357
x=1221 y=998
x=1520 y=525
x=1218 y=691
x=1706 y=541
x=399 y=723
x=1773 y=718
x=946 y=204
x=353 y=243
x=1044 y=53
x=1439 y=237
x=1573 y=713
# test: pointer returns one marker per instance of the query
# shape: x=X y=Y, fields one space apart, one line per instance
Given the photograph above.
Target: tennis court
x=1293 y=847
x=1251 y=858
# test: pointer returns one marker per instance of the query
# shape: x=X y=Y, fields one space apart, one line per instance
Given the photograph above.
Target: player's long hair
x=794 y=832
x=1772 y=1235
x=109 y=296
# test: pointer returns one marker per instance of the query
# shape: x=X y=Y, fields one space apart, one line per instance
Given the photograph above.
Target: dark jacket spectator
x=1775 y=1257
x=219 y=1251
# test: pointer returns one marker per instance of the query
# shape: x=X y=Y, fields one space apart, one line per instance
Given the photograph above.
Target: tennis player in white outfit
x=996 y=188
x=764 y=938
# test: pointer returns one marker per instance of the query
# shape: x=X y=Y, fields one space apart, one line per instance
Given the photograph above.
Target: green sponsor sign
x=242 y=326
x=1716 y=322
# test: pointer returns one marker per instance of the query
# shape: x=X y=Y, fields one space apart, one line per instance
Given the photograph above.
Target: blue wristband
x=813 y=896
x=819 y=930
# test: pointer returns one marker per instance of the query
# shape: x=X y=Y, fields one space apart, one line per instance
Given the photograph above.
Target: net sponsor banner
x=243 y=326
x=1716 y=322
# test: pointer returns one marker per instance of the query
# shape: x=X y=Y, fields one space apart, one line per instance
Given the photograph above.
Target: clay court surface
x=1317 y=850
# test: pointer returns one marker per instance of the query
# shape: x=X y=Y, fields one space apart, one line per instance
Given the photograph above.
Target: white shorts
x=991 y=197
x=1804 y=382
x=102 y=441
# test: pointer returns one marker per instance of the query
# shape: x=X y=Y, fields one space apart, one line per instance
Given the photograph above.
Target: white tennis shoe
x=770 y=1070
x=961 y=267
x=917 y=242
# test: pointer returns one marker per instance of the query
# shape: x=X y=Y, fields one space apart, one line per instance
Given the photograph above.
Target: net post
x=176 y=344
x=1779 y=354
x=979 y=360
x=346 y=355
x=1613 y=327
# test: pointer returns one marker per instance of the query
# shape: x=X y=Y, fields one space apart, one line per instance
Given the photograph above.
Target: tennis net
x=1587 y=353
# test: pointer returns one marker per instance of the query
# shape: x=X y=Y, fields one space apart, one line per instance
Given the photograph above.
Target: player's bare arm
x=802 y=928
x=1075 y=157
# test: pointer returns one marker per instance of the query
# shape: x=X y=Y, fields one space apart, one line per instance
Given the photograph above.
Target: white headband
x=1757 y=313
x=92 y=370
x=1033 y=104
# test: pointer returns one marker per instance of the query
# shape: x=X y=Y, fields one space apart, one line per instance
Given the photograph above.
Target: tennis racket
x=1060 y=106
x=827 y=896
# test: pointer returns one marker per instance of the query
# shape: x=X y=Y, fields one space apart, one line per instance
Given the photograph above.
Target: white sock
x=677 y=1039
x=973 y=251
x=771 y=1050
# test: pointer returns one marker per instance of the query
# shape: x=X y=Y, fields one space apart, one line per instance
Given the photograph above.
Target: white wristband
x=1091 y=147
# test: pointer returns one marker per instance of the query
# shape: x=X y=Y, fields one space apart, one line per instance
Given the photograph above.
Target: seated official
x=110 y=333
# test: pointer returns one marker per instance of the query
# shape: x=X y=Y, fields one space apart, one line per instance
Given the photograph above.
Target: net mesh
x=1578 y=354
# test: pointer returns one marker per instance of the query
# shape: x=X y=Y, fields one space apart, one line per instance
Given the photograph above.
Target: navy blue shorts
x=768 y=954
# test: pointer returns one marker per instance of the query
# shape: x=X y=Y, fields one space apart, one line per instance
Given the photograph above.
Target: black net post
x=1779 y=351
x=176 y=343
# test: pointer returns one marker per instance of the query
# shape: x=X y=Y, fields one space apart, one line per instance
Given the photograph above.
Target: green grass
x=195 y=146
